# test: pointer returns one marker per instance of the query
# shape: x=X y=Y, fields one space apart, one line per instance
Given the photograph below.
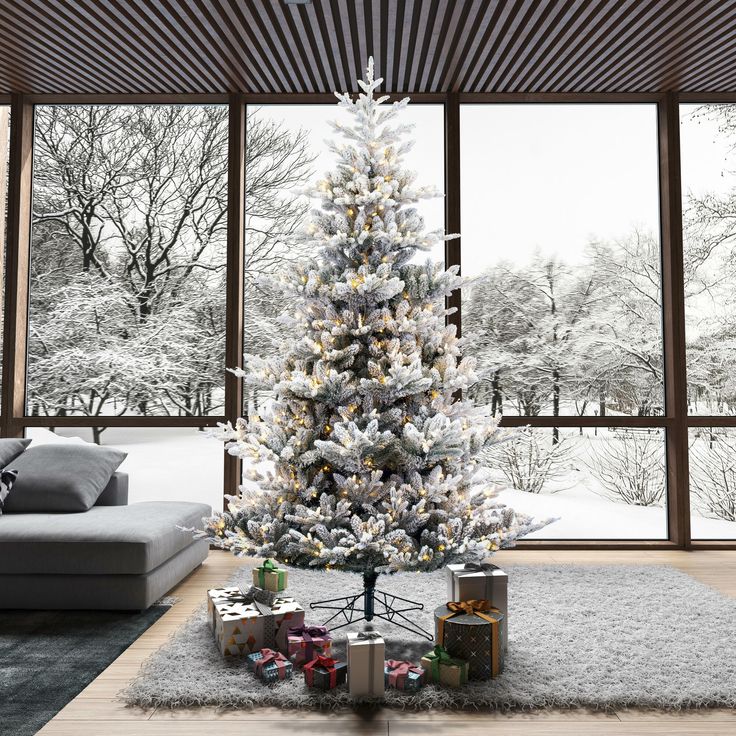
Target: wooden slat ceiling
x=268 y=46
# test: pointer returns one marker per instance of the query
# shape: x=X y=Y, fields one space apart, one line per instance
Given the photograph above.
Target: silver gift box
x=472 y=581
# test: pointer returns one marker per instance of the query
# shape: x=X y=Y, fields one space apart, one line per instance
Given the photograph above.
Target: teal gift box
x=269 y=666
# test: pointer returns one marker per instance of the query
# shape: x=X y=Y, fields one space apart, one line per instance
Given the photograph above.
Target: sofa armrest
x=116 y=491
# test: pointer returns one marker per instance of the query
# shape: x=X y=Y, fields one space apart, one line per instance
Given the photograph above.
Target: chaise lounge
x=113 y=556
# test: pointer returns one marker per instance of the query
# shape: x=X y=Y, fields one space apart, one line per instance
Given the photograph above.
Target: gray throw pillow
x=10 y=448
x=61 y=477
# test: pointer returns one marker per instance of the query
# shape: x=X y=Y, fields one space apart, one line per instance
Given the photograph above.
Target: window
x=560 y=233
x=163 y=464
x=128 y=260
x=708 y=136
x=713 y=482
x=600 y=482
x=286 y=150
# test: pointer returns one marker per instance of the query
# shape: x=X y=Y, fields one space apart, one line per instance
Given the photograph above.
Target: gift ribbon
x=263 y=601
x=481 y=566
x=400 y=670
x=308 y=634
x=270 y=567
x=480 y=609
x=326 y=663
x=272 y=657
x=368 y=635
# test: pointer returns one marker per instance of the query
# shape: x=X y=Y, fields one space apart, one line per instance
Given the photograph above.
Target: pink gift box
x=305 y=643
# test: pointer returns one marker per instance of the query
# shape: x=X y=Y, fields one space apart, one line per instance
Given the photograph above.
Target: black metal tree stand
x=370 y=604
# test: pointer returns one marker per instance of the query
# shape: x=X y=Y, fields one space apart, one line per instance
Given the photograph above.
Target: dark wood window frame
x=675 y=422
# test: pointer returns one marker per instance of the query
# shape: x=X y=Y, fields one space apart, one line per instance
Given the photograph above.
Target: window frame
x=675 y=421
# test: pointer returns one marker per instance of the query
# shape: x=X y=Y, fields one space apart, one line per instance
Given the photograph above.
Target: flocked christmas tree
x=374 y=455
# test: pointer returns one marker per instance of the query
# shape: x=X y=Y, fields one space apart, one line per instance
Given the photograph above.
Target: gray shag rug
x=579 y=636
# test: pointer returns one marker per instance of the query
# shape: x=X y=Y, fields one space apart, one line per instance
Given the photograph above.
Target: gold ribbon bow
x=474 y=608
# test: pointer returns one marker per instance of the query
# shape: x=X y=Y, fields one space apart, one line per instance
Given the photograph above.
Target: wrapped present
x=366 y=654
x=480 y=582
x=270 y=577
x=325 y=673
x=403 y=675
x=304 y=643
x=472 y=630
x=269 y=666
x=247 y=623
x=443 y=669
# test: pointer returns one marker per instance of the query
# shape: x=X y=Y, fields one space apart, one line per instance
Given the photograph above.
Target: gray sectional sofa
x=113 y=556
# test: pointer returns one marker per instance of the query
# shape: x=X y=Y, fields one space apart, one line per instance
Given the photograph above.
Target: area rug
x=579 y=636
x=48 y=657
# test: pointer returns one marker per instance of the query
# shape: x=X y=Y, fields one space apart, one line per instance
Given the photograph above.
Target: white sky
x=551 y=176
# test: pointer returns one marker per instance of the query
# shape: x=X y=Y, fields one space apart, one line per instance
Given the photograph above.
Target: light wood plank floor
x=96 y=711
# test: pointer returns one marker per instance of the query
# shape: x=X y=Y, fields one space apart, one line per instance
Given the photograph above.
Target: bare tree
x=630 y=467
x=533 y=461
x=713 y=474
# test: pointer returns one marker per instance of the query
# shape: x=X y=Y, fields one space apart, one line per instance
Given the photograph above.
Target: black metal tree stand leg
x=370 y=604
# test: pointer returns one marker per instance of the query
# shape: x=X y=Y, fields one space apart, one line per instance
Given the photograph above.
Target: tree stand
x=374 y=604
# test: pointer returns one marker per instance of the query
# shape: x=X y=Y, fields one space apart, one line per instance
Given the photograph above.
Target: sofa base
x=100 y=592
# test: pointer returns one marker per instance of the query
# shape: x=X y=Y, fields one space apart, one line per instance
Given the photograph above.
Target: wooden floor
x=96 y=712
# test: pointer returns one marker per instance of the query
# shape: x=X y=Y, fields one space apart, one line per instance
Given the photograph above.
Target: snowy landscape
x=564 y=313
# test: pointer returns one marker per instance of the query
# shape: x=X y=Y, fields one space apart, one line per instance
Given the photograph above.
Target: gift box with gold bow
x=325 y=673
x=481 y=582
x=366 y=654
x=473 y=631
x=403 y=675
x=306 y=642
x=246 y=621
x=270 y=577
x=443 y=669
x=269 y=666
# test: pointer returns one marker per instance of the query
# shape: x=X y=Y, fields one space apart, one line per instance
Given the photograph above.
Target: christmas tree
x=372 y=456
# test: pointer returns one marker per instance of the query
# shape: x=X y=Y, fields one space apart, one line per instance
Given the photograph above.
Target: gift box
x=403 y=675
x=269 y=666
x=304 y=643
x=366 y=654
x=325 y=673
x=244 y=622
x=472 y=630
x=480 y=582
x=443 y=669
x=270 y=577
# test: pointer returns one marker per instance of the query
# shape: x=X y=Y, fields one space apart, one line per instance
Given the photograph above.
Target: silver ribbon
x=369 y=635
x=481 y=566
x=263 y=601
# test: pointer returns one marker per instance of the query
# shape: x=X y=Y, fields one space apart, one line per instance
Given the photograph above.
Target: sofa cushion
x=106 y=540
x=66 y=477
x=10 y=448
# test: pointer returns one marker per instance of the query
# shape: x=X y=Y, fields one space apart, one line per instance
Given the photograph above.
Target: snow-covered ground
x=184 y=464
x=179 y=464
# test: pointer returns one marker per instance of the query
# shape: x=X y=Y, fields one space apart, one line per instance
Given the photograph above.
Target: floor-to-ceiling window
x=708 y=138
x=127 y=284
x=560 y=233
x=287 y=148
x=560 y=230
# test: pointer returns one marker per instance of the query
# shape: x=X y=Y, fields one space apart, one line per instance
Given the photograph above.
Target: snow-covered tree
x=375 y=459
x=128 y=256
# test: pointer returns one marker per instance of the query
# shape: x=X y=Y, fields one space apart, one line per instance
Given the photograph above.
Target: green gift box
x=441 y=668
x=270 y=577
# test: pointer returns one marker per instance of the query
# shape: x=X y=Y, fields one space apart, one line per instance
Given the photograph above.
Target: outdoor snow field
x=184 y=464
